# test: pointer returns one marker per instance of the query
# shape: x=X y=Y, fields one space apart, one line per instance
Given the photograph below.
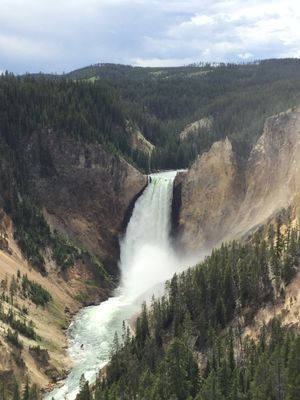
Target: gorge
x=146 y=259
x=88 y=229
x=212 y=185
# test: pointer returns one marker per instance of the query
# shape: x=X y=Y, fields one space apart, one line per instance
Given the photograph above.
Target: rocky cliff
x=85 y=192
x=211 y=191
x=273 y=171
x=220 y=200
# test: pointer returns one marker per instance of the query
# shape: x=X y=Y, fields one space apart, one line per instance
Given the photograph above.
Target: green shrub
x=13 y=338
x=37 y=294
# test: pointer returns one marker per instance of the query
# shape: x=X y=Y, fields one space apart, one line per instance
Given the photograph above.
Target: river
x=146 y=260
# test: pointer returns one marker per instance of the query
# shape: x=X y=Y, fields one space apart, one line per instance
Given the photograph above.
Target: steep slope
x=222 y=100
x=63 y=146
x=193 y=343
x=48 y=320
x=273 y=171
x=211 y=192
x=86 y=194
x=220 y=199
x=84 y=191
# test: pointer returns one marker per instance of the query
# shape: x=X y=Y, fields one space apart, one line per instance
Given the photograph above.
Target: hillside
x=227 y=199
x=43 y=306
x=210 y=336
x=60 y=143
x=164 y=101
x=65 y=192
x=74 y=152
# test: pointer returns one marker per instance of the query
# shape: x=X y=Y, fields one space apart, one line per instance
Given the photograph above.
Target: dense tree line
x=189 y=344
x=94 y=103
x=33 y=235
x=11 y=390
x=162 y=101
x=79 y=109
x=84 y=111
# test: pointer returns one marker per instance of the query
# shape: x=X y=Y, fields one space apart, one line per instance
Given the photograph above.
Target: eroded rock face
x=210 y=195
x=4 y=222
x=205 y=123
x=84 y=191
x=219 y=200
x=140 y=143
x=273 y=171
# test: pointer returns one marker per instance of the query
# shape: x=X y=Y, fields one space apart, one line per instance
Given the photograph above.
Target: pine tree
x=16 y=393
x=84 y=393
x=2 y=391
x=34 y=393
x=292 y=372
x=180 y=370
x=211 y=389
x=26 y=394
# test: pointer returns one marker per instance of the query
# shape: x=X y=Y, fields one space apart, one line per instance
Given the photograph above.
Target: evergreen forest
x=190 y=344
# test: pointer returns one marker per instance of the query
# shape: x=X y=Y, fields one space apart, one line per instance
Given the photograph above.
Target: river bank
x=45 y=360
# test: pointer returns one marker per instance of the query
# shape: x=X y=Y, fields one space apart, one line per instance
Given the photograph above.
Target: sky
x=59 y=36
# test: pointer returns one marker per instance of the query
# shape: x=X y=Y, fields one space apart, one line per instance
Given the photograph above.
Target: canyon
x=219 y=198
x=88 y=194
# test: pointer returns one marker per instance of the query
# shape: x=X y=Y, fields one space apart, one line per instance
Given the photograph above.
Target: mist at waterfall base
x=147 y=259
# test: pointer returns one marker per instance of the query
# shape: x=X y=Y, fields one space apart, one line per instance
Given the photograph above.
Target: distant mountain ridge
x=162 y=102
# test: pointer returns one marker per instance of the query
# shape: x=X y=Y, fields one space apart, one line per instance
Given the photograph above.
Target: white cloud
x=161 y=62
x=239 y=30
x=28 y=47
x=245 y=56
x=200 y=20
x=56 y=36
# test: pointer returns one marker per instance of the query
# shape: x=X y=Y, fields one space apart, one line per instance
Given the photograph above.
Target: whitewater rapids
x=146 y=259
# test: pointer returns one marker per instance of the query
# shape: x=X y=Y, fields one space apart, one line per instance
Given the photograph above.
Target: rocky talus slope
x=219 y=199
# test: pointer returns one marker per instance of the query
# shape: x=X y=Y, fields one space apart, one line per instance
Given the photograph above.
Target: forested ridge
x=79 y=109
x=94 y=104
x=85 y=112
x=162 y=101
x=190 y=344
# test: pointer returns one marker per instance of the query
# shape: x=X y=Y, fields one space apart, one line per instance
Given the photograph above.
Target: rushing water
x=146 y=259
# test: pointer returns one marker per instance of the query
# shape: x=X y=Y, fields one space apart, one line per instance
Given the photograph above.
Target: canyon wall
x=85 y=192
x=220 y=200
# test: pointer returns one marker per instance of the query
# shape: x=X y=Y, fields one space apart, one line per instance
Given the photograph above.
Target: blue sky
x=57 y=36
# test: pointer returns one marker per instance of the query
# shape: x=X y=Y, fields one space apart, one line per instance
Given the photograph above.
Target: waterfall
x=146 y=253
x=146 y=259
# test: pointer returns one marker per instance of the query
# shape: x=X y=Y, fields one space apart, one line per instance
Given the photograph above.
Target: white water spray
x=147 y=258
x=146 y=252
